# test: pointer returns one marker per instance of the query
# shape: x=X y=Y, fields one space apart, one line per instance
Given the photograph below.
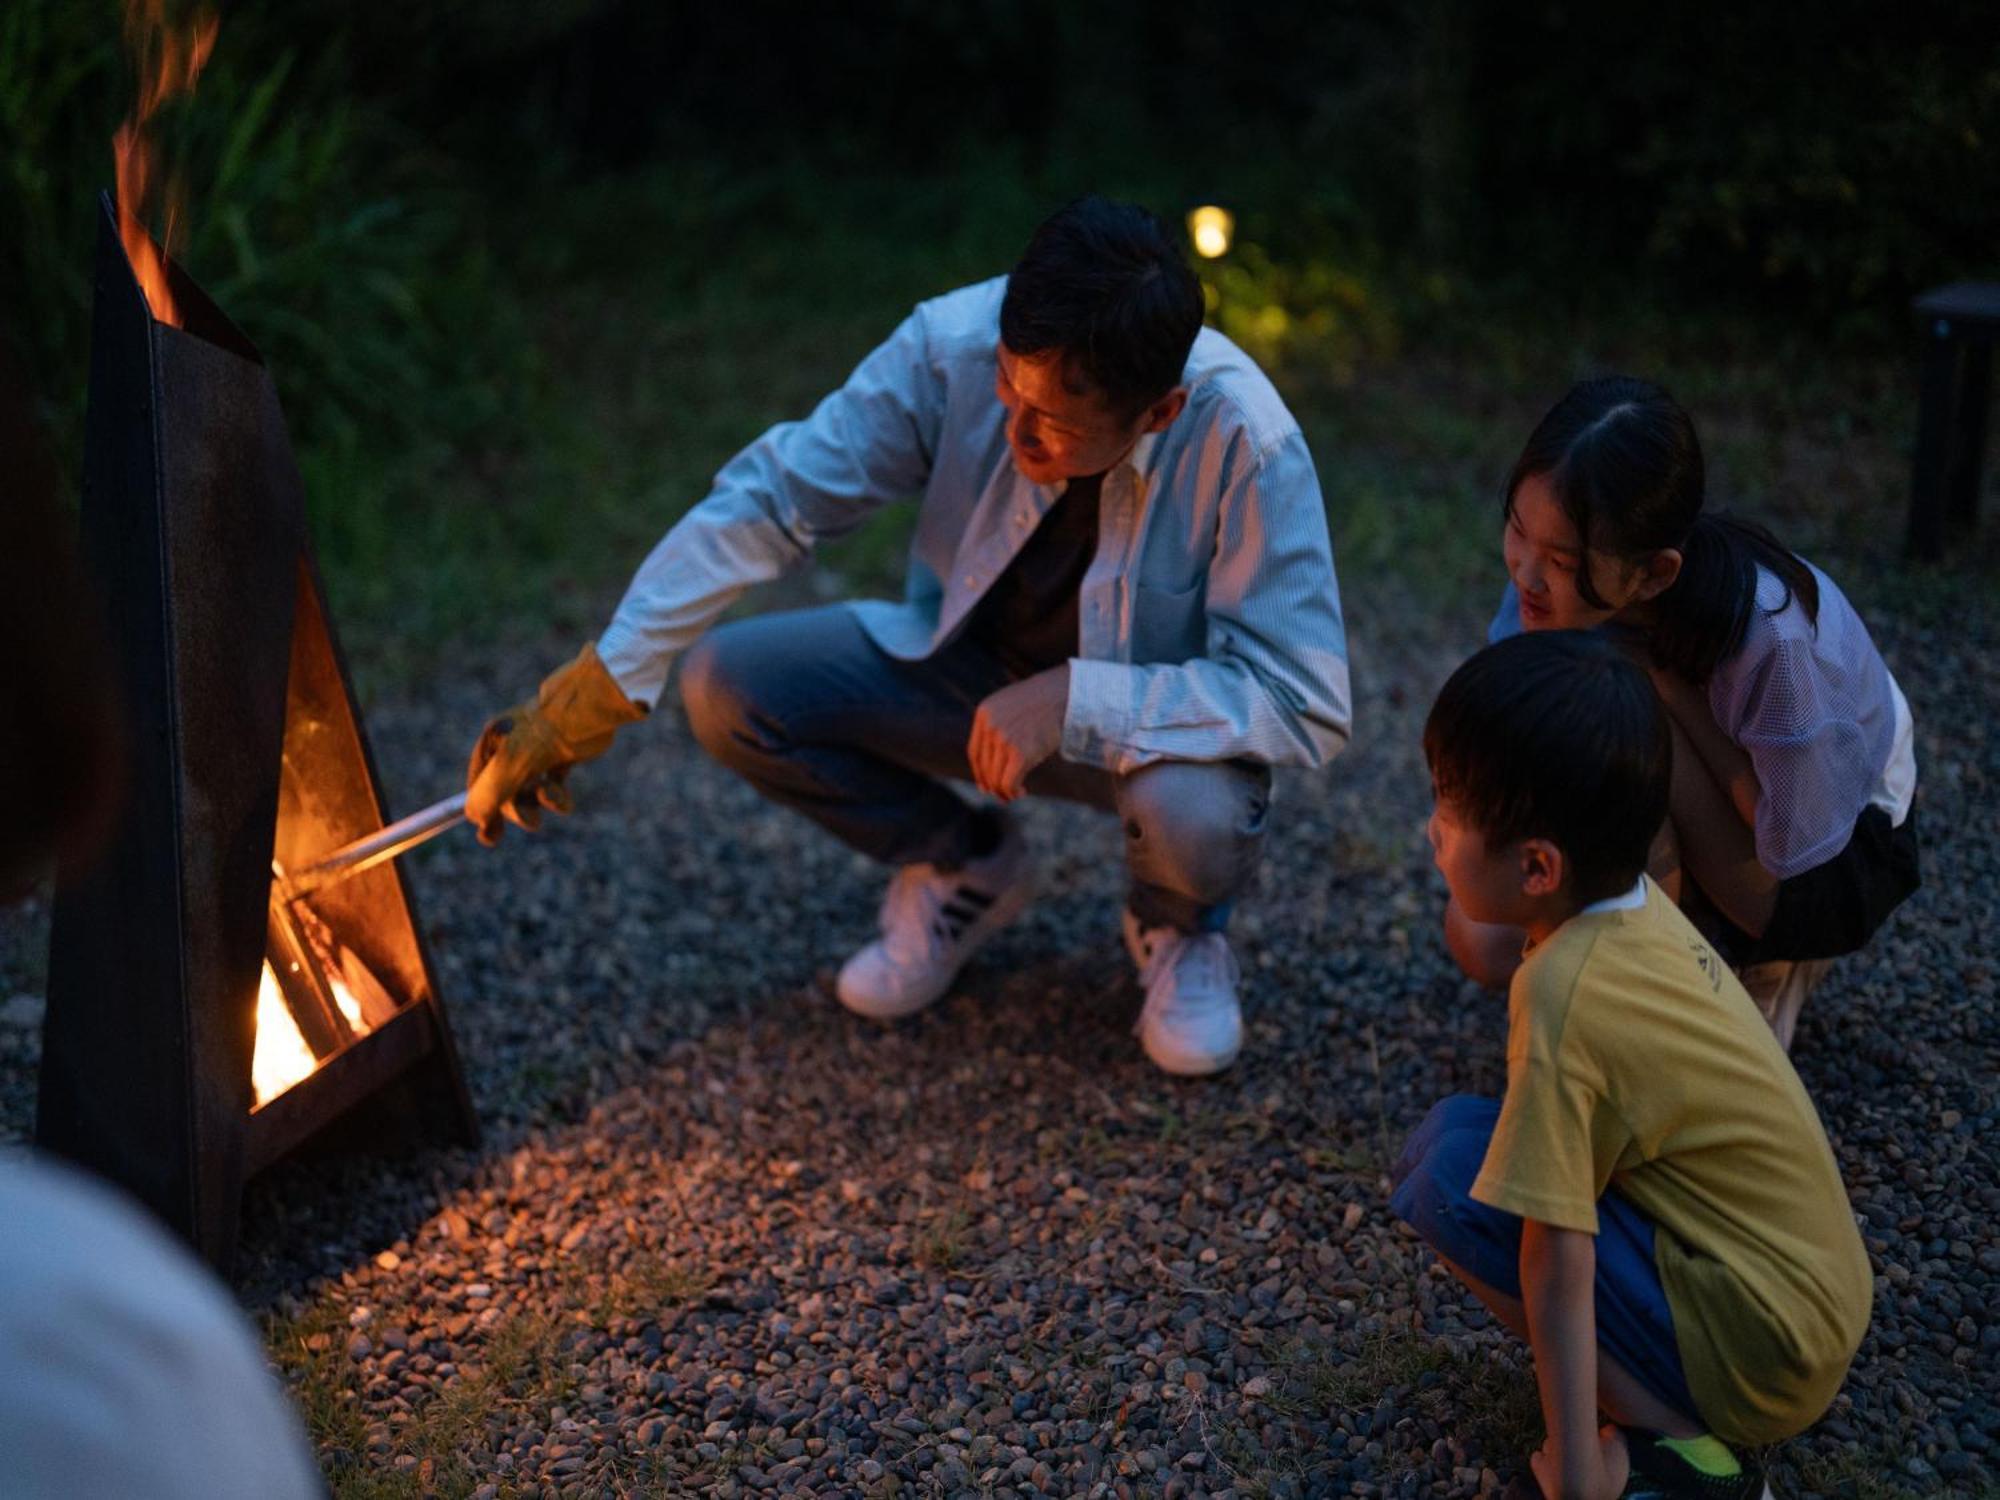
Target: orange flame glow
x=282 y=1057
x=169 y=58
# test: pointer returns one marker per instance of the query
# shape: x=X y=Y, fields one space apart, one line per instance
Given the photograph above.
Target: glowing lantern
x=1211 y=229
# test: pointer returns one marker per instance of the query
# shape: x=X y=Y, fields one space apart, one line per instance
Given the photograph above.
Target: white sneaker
x=932 y=921
x=1192 y=1023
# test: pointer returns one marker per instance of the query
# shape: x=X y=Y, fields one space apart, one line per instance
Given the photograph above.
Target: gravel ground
x=724 y=1239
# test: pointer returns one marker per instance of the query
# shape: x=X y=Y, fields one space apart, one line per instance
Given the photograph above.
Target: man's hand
x=1016 y=729
x=524 y=754
x=1605 y=1479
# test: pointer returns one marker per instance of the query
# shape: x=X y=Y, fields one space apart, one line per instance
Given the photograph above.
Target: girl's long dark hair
x=1625 y=465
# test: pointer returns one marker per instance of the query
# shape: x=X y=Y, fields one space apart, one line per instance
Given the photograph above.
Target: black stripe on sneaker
x=959 y=914
x=970 y=893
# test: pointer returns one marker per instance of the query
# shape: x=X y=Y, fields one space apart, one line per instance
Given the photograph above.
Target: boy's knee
x=1440 y=1161
x=1193 y=827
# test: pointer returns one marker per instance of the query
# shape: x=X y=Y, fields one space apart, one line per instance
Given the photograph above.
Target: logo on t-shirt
x=1708 y=963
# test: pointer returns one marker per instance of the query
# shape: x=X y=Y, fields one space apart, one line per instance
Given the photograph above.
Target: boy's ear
x=1542 y=868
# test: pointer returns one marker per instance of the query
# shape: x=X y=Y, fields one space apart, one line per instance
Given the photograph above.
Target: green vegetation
x=514 y=1372
x=515 y=331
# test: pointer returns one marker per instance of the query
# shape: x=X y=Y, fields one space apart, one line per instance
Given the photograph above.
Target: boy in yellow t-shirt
x=1653 y=1205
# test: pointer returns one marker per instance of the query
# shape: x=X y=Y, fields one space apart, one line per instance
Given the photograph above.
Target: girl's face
x=1545 y=558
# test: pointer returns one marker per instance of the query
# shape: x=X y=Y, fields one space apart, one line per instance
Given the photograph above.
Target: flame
x=282 y=1057
x=349 y=1006
x=169 y=58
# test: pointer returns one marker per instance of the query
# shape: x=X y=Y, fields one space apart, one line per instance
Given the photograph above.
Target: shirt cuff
x=641 y=674
x=1097 y=721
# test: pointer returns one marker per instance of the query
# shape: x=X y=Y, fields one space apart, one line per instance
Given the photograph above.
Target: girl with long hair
x=1790 y=835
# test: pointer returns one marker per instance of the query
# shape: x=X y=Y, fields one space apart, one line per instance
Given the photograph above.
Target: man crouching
x=1120 y=592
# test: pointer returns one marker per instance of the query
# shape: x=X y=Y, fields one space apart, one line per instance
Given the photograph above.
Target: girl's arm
x=1714 y=809
x=1728 y=762
x=1558 y=1275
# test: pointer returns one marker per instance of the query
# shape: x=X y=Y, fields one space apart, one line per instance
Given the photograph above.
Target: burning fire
x=169 y=59
x=282 y=1057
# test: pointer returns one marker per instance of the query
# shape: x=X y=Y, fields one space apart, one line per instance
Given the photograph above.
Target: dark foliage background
x=444 y=221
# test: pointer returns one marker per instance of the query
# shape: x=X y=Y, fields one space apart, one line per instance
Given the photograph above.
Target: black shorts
x=1830 y=909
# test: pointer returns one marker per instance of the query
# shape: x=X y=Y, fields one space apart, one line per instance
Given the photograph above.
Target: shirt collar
x=1632 y=900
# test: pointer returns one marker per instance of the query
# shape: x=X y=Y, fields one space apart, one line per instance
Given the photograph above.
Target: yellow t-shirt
x=1636 y=1061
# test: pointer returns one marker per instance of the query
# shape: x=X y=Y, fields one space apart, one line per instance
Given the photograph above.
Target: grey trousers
x=817 y=717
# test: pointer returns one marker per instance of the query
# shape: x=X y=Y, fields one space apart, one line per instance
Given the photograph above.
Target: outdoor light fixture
x=1211 y=229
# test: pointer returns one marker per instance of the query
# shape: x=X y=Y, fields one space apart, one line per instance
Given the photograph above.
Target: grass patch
x=517 y=1370
x=943 y=1242
x=1318 y=1378
x=1862 y=1475
x=650 y=1284
x=1496 y=1414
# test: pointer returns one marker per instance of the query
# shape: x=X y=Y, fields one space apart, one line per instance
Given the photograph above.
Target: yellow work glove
x=524 y=755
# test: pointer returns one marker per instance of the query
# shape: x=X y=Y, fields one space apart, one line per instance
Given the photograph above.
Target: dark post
x=1959 y=323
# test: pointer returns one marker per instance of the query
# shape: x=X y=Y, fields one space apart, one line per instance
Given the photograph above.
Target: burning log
x=204 y=1019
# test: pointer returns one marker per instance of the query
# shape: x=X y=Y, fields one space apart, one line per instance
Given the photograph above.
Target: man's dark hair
x=1106 y=284
x=1556 y=734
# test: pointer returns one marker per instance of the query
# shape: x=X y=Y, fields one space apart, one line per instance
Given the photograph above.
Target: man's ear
x=1542 y=868
x=1658 y=573
x=1160 y=415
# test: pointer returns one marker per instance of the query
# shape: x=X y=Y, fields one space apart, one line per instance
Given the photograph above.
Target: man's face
x=1056 y=432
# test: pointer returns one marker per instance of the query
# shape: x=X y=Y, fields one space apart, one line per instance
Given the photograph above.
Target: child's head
x=1604 y=518
x=1600 y=502
x=1550 y=756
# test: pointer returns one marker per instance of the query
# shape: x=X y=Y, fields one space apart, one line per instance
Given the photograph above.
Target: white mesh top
x=1818 y=713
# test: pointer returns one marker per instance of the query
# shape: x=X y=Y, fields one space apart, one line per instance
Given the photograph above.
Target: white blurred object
x=125 y=1367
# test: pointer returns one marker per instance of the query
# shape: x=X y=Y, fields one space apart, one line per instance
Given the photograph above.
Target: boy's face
x=1519 y=884
x=1056 y=433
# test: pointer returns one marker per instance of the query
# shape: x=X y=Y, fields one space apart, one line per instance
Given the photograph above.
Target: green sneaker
x=1663 y=1469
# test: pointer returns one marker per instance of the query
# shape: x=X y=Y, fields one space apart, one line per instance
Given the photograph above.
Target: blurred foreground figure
x=1120 y=592
x=125 y=1368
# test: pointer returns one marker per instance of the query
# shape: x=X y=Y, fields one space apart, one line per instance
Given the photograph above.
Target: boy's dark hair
x=1106 y=284
x=1556 y=734
x=1625 y=465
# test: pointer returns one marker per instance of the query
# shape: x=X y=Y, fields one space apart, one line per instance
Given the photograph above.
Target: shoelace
x=1203 y=959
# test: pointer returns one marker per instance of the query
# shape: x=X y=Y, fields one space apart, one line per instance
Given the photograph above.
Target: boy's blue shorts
x=1433 y=1195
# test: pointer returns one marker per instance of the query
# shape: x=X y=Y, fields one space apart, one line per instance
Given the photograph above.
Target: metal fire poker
x=399 y=837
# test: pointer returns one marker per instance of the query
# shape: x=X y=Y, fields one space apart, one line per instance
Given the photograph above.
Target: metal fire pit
x=245 y=748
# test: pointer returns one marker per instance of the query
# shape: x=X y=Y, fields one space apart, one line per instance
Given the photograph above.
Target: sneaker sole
x=997 y=917
x=1180 y=1067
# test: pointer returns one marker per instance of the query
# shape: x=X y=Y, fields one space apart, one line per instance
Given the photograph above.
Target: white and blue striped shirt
x=1209 y=620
